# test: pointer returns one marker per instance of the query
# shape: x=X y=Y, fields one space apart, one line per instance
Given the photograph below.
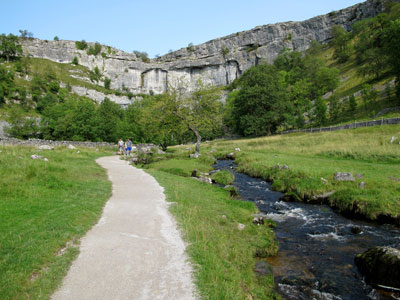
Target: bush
x=56 y=38
x=81 y=45
x=225 y=51
x=75 y=61
x=143 y=56
x=94 y=50
x=107 y=83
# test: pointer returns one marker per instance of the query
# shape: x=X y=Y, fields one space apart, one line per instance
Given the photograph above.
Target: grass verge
x=45 y=207
x=311 y=157
x=223 y=255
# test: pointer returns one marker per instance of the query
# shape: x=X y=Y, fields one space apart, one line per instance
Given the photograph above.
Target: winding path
x=135 y=251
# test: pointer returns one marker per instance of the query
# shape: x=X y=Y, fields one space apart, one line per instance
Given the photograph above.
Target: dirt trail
x=135 y=251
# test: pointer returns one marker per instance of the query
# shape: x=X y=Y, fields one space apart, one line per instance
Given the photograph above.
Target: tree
x=320 y=111
x=6 y=83
x=199 y=110
x=352 y=103
x=391 y=49
x=25 y=33
x=261 y=102
x=9 y=46
x=341 y=45
x=56 y=38
x=369 y=96
x=109 y=116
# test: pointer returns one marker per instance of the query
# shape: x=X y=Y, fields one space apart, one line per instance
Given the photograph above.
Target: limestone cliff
x=217 y=62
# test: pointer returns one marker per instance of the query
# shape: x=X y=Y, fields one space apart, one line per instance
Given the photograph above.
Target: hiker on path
x=121 y=148
x=128 y=147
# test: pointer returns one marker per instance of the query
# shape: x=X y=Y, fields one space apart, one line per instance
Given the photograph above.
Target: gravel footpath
x=135 y=251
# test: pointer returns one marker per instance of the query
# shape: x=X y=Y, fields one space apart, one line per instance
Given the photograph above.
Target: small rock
x=188 y=148
x=223 y=217
x=393 y=139
x=204 y=179
x=194 y=155
x=159 y=151
x=355 y=230
x=195 y=173
x=78 y=152
x=135 y=159
x=72 y=147
x=258 y=220
x=45 y=147
x=230 y=156
x=212 y=151
x=359 y=176
x=35 y=156
x=282 y=167
x=322 y=196
x=343 y=176
x=361 y=185
x=275 y=156
x=232 y=190
x=45 y=159
x=324 y=180
x=97 y=149
x=394 y=178
x=237 y=149
x=241 y=226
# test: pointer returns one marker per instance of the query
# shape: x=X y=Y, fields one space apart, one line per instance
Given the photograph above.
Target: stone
x=392 y=139
x=259 y=220
x=359 y=176
x=361 y=185
x=194 y=155
x=324 y=181
x=355 y=230
x=232 y=190
x=212 y=151
x=230 y=156
x=223 y=217
x=188 y=148
x=237 y=149
x=262 y=268
x=77 y=152
x=281 y=167
x=204 y=179
x=322 y=196
x=343 y=176
x=159 y=151
x=241 y=226
x=45 y=147
x=73 y=147
x=380 y=266
x=35 y=156
x=195 y=173
x=135 y=159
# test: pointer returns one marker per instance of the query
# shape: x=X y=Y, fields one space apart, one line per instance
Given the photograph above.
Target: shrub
x=103 y=55
x=107 y=83
x=75 y=61
x=81 y=45
x=56 y=38
x=190 y=47
x=94 y=50
x=142 y=55
x=225 y=51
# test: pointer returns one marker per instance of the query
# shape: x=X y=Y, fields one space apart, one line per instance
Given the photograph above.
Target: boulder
x=159 y=151
x=380 y=266
x=241 y=226
x=237 y=149
x=343 y=176
x=195 y=173
x=72 y=147
x=392 y=139
x=35 y=156
x=262 y=268
x=324 y=181
x=258 y=220
x=361 y=185
x=232 y=190
x=45 y=147
x=194 y=155
x=204 y=179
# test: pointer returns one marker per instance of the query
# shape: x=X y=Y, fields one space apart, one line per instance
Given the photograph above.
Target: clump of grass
x=45 y=207
x=223 y=177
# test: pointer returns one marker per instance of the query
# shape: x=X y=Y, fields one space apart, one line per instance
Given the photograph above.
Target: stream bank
x=317 y=245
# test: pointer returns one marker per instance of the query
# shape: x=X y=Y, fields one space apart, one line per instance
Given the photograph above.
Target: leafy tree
x=95 y=50
x=352 y=103
x=391 y=48
x=9 y=46
x=340 y=42
x=56 y=38
x=199 y=110
x=25 y=33
x=143 y=56
x=109 y=116
x=21 y=126
x=6 y=83
x=320 y=111
x=261 y=101
x=369 y=96
x=334 y=108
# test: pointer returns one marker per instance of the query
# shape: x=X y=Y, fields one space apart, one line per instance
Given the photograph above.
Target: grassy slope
x=223 y=256
x=45 y=207
x=365 y=151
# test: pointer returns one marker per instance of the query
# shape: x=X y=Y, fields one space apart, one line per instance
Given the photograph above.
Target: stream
x=317 y=246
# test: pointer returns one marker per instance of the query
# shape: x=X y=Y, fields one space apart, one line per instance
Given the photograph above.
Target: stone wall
x=216 y=62
x=37 y=142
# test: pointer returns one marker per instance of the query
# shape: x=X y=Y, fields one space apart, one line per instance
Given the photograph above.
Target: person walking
x=121 y=148
x=128 y=147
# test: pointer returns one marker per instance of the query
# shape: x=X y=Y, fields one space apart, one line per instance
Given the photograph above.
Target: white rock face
x=217 y=62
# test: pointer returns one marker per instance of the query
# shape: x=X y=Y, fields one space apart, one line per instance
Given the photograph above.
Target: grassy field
x=310 y=157
x=45 y=207
x=223 y=255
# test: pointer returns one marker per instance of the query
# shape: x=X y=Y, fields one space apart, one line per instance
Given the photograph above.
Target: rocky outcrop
x=381 y=266
x=217 y=62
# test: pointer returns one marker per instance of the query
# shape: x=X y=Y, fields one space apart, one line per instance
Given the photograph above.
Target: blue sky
x=153 y=26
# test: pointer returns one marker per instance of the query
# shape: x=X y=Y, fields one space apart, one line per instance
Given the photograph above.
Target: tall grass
x=45 y=207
